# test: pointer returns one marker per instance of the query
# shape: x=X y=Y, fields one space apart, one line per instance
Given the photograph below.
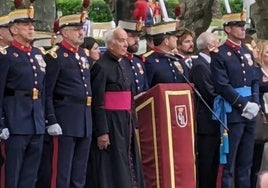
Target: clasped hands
x=251 y=110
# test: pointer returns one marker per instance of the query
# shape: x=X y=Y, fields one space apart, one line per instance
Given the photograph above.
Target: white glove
x=54 y=129
x=252 y=108
x=247 y=115
x=4 y=134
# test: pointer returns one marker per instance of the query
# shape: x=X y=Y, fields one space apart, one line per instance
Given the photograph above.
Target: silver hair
x=109 y=35
x=204 y=39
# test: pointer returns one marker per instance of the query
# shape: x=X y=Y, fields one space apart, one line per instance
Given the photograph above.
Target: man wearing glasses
x=68 y=104
x=22 y=101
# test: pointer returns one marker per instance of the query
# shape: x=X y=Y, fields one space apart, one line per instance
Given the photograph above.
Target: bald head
x=116 y=41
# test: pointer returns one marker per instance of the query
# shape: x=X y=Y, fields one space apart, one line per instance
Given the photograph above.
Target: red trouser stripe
x=54 y=162
x=3 y=153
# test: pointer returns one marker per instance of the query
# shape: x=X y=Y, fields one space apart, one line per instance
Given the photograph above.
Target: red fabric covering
x=53 y=183
x=166 y=134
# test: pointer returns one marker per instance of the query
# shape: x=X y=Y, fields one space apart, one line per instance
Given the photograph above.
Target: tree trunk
x=259 y=15
x=45 y=13
x=216 y=9
x=196 y=15
x=5 y=7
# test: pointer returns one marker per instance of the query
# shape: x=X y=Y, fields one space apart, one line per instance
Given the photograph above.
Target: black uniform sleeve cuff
x=51 y=119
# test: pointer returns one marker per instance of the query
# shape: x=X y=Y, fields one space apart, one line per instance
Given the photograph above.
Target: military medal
x=140 y=68
x=250 y=61
x=16 y=54
x=179 y=67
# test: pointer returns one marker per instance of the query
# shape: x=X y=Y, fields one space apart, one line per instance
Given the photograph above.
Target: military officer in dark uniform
x=236 y=82
x=208 y=130
x=161 y=64
x=22 y=101
x=68 y=103
x=136 y=63
x=5 y=41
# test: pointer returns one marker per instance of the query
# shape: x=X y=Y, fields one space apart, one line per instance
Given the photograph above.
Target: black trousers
x=207 y=160
x=23 y=155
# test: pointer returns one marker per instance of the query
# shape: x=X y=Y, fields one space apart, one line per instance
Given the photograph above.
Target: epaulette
x=52 y=51
x=3 y=50
x=148 y=53
x=42 y=49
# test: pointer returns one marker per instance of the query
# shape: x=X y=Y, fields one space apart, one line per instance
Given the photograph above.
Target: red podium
x=166 y=136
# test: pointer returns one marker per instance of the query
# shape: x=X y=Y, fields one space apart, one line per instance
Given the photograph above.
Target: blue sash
x=221 y=107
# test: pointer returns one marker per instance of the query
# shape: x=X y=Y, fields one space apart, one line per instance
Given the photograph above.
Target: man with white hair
x=208 y=130
x=114 y=153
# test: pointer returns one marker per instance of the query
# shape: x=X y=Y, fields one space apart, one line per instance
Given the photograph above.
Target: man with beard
x=161 y=64
x=114 y=153
x=22 y=101
x=185 y=47
x=68 y=104
x=137 y=66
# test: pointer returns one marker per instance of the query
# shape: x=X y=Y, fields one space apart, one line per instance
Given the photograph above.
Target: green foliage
x=69 y=7
x=100 y=12
x=236 y=6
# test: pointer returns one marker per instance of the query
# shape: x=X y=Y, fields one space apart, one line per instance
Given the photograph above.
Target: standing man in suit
x=236 y=82
x=68 y=103
x=22 y=101
x=208 y=130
